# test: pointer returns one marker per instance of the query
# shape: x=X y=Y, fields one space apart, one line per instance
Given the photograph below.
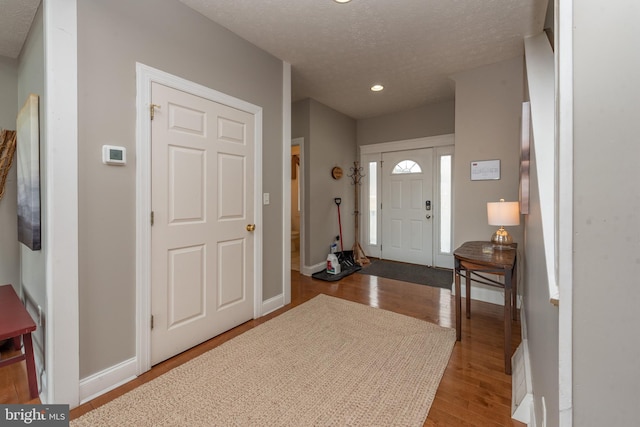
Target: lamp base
x=501 y=239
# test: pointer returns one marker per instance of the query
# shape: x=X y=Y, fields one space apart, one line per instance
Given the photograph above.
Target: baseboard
x=521 y=389
x=272 y=304
x=108 y=379
x=309 y=270
x=490 y=295
x=485 y=294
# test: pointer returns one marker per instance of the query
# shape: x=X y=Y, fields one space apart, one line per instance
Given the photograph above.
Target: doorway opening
x=295 y=207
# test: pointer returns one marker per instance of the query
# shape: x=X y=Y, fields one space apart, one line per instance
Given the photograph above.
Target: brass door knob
x=251 y=227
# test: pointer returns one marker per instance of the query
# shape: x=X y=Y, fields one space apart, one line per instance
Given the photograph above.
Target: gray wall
x=541 y=315
x=606 y=201
x=428 y=120
x=164 y=34
x=9 y=249
x=488 y=109
x=329 y=140
x=31 y=80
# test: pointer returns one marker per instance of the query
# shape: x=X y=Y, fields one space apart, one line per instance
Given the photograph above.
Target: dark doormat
x=327 y=277
x=414 y=273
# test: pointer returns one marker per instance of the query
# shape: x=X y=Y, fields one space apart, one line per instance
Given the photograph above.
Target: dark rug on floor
x=420 y=274
x=323 y=275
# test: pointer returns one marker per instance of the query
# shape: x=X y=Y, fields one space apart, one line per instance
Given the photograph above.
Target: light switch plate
x=265 y=199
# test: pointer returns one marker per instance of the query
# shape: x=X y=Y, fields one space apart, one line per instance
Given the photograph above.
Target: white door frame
x=370 y=151
x=145 y=75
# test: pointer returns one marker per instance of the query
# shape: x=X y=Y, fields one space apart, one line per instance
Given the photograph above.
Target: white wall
x=9 y=249
x=606 y=206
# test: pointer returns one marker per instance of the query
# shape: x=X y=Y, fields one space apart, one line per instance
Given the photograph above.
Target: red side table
x=15 y=322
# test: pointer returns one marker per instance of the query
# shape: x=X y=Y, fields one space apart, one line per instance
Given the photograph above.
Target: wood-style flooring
x=474 y=390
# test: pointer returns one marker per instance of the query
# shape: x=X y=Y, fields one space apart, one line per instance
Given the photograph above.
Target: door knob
x=428 y=216
x=251 y=227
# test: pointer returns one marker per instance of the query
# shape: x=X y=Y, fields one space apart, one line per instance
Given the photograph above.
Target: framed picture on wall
x=525 y=142
x=28 y=169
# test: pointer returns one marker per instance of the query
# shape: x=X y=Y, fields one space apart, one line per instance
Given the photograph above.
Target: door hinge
x=152 y=110
x=151 y=217
x=152 y=321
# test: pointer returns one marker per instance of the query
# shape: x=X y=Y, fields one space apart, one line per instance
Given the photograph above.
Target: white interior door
x=202 y=255
x=407 y=206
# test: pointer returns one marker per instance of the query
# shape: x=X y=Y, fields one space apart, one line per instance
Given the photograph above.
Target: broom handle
x=340 y=226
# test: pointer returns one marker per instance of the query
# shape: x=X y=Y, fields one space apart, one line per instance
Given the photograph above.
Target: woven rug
x=327 y=362
x=420 y=274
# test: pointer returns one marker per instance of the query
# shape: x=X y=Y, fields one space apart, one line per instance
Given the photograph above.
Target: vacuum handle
x=338 y=200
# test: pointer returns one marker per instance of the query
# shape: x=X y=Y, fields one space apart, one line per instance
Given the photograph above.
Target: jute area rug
x=327 y=362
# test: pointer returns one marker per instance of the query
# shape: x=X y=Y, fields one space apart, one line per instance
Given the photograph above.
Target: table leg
x=467 y=285
x=514 y=293
x=507 y=323
x=31 y=366
x=458 y=305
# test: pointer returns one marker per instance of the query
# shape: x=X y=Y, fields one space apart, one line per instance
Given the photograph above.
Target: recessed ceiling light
x=342 y=1
x=377 y=88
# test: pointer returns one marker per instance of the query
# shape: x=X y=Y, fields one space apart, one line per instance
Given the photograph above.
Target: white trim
x=309 y=270
x=61 y=193
x=286 y=183
x=481 y=293
x=408 y=144
x=564 y=210
x=441 y=259
x=274 y=303
x=539 y=59
x=368 y=248
x=521 y=410
x=104 y=381
x=145 y=75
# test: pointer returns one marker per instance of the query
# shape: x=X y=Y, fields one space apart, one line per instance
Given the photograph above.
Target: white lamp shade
x=503 y=213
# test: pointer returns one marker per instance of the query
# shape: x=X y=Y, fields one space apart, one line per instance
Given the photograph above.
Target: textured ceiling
x=412 y=47
x=15 y=21
x=337 y=51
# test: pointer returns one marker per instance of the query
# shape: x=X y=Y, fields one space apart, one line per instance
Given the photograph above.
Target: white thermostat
x=112 y=155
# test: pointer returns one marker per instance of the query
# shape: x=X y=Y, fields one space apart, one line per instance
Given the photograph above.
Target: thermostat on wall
x=112 y=155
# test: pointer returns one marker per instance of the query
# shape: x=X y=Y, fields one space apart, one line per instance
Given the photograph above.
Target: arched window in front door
x=406 y=166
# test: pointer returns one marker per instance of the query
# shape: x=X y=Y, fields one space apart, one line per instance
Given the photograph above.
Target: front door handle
x=251 y=227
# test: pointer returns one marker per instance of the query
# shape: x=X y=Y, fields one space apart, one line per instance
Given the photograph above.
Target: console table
x=479 y=258
x=15 y=322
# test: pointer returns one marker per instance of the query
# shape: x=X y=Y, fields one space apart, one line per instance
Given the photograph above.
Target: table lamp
x=503 y=213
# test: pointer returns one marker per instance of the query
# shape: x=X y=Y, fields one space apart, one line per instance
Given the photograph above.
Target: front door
x=407 y=206
x=202 y=253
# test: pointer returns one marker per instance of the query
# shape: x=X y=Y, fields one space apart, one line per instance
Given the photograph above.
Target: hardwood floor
x=474 y=390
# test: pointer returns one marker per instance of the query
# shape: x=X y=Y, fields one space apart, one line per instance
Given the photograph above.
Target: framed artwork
x=525 y=141
x=28 y=169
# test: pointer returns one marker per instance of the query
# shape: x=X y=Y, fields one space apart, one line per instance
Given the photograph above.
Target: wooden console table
x=15 y=322
x=474 y=261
